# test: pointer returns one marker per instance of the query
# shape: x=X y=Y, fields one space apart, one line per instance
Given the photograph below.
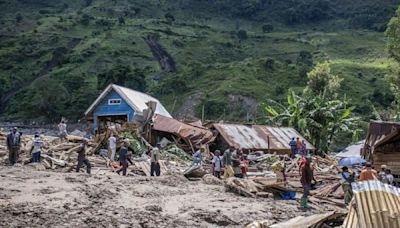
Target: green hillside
x=56 y=56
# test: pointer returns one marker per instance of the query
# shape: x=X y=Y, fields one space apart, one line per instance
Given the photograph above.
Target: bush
x=18 y=18
x=242 y=34
x=170 y=18
x=268 y=28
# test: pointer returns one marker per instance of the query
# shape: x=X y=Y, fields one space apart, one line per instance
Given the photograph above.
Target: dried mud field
x=33 y=198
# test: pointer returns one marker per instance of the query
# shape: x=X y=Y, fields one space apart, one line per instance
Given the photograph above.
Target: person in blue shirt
x=293 y=147
x=346 y=178
x=198 y=157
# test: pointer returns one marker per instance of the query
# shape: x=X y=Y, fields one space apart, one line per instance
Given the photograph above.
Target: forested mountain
x=220 y=57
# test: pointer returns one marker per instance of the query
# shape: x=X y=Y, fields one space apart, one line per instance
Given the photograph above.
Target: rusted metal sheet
x=192 y=134
x=377 y=130
x=374 y=205
x=285 y=134
x=259 y=137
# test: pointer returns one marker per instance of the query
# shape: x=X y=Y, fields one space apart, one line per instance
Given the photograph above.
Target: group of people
x=366 y=173
x=298 y=147
x=233 y=162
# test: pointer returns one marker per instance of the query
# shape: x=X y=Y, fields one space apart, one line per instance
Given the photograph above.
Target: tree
x=242 y=34
x=322 y=81
x=18 y=18
x=317 y=114
x=121 y=20
x=393 y=44
x=170 y=18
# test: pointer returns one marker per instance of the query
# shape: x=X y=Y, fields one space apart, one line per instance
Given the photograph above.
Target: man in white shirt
x=112 y=146
x=36 y=149
x=217 y=164
x=62 y=130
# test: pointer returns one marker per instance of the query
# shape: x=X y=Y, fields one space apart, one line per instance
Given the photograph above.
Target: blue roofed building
x=121 y=104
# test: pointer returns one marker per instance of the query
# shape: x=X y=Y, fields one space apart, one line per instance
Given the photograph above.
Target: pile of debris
x=56 y=153
x=263 y=182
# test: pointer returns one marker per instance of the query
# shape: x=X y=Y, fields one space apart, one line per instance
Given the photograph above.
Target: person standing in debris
x=198 y=157
x=237 y=172
x=244 y=165
x=227 y=160
x=306 y=181
x=303 y=149
x=82 y=158
x=62 y=130
x=36 y=149
x=368 y=173
x=389 y=177
x=155 y=161
x=382 y=174
x=124 y=158
x=112 y=146
x=298 y=145
x=346 y=178
x=13 y=145
x=292 y=145
x=217 y=164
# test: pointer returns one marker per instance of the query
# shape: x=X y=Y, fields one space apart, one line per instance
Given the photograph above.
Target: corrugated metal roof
x=137 y=100
x=196 y=135
x=255 y=137
x=374 y=205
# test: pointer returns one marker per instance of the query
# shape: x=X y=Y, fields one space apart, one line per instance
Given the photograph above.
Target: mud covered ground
x=31 y=198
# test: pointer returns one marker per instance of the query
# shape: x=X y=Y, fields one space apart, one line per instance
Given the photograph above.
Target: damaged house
x=257 y=138
x=382 y=146
x=121 y=104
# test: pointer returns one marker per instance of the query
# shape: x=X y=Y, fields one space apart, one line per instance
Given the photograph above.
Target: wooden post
x=202 y=114
x=268 y=145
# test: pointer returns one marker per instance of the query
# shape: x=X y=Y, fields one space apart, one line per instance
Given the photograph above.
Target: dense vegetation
x=57 y=55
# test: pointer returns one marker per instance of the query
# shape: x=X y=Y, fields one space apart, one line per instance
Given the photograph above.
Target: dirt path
x=31 y=198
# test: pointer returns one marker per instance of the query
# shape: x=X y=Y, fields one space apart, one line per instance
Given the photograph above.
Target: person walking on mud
x=306 y=180
x=155 y=161
x=82 y=158
x=13 y=145
x=124 y=158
